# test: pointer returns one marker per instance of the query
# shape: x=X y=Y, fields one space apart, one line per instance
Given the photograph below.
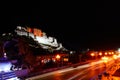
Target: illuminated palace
x=47 y=43
x=40 y=37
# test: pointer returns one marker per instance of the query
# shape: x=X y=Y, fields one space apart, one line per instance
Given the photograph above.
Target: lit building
x=39 y=36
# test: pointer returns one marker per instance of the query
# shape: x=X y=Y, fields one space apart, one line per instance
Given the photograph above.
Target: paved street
x=83 y=72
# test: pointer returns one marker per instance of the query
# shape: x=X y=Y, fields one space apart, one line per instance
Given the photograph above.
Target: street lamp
x=100 y=53
x=58 y=59
x=92 y=54
x=106 y=53
x=57 y=56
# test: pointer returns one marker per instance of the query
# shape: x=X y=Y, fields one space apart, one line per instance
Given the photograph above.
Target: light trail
x=59 y=71
x=90 y=64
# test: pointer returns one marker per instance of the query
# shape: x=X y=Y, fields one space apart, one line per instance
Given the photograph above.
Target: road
x=82 y=72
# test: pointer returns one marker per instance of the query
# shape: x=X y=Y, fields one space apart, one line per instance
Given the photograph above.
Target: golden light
x=65 y=59
x=100 y=53
x=105 y=59
x=110 y=53
x=115 y=56
x=118 y=55
x=92 y=54
x=57 y=56
x=105 y=53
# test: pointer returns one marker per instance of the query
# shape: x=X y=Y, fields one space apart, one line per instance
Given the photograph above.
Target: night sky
x=76 y=26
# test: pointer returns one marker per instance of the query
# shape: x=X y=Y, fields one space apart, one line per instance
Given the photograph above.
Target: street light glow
x=92 y=54
x=100 y=53
x=58 y=56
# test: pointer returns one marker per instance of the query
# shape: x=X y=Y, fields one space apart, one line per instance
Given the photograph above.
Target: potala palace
x=44 y=41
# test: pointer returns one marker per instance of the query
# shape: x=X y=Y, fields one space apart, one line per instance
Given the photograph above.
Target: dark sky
x=75 y=25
